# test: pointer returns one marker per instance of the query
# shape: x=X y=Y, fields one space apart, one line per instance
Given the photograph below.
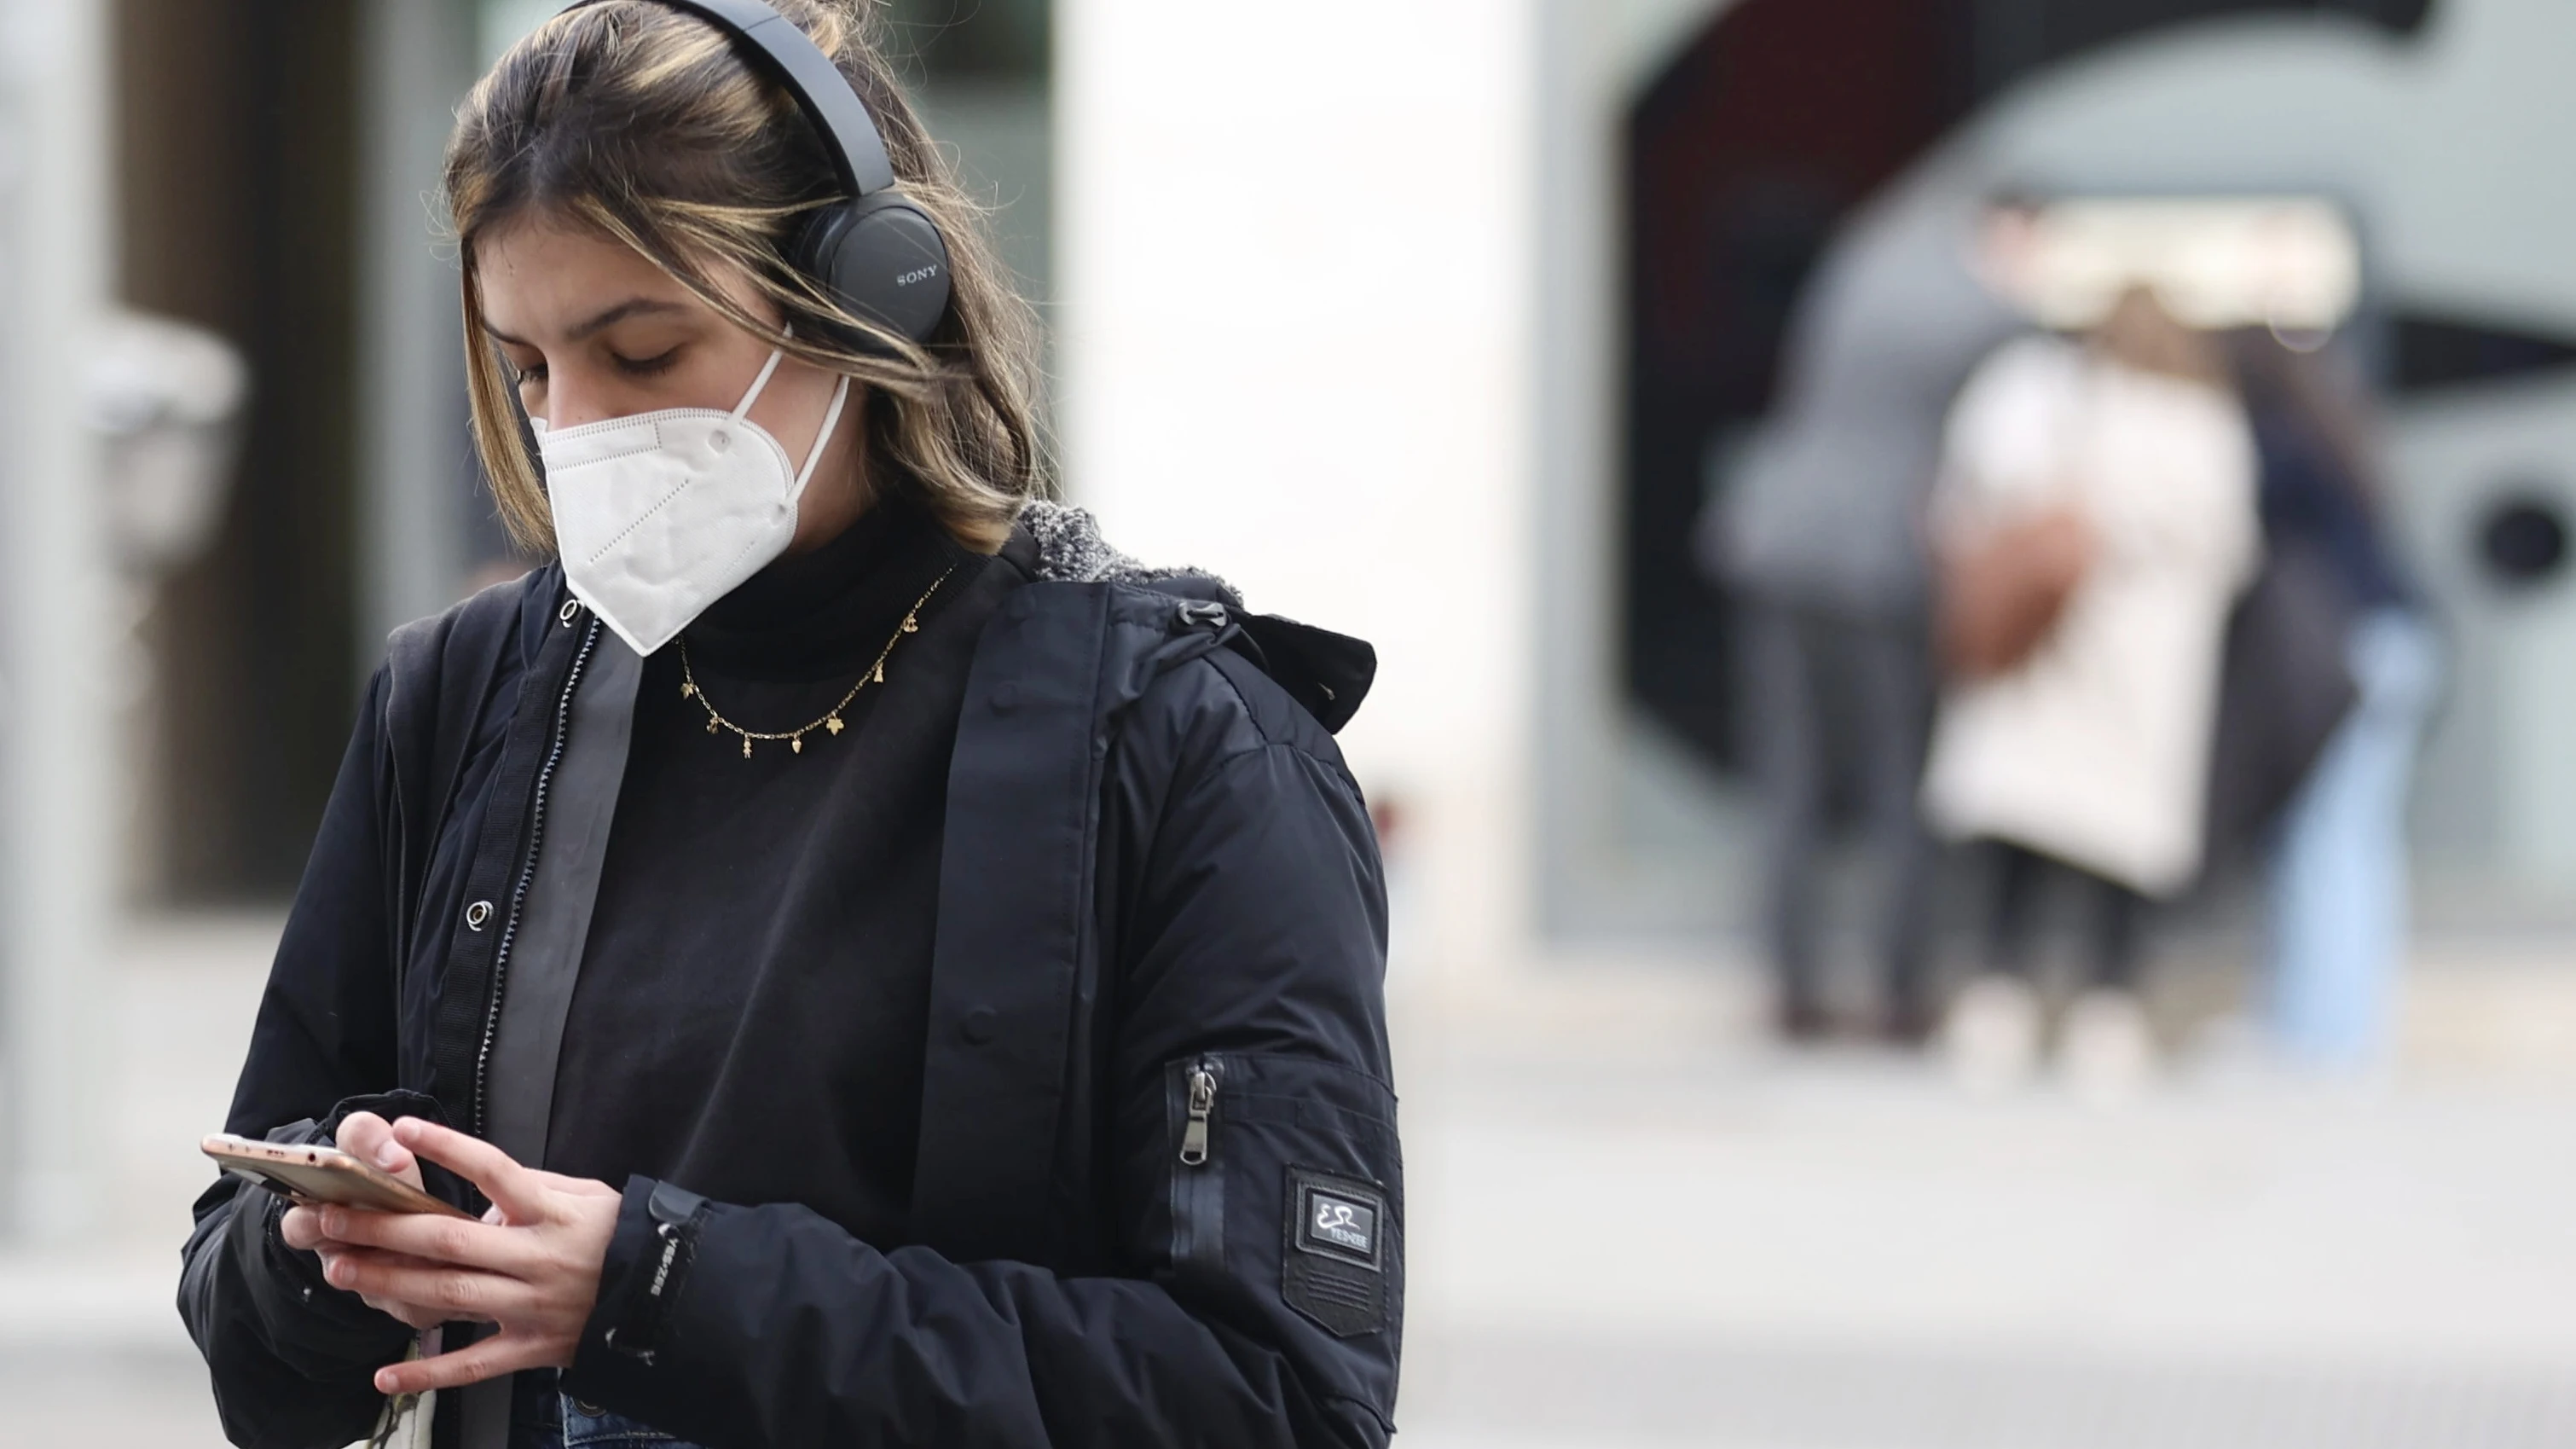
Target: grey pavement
x=1629 y=1226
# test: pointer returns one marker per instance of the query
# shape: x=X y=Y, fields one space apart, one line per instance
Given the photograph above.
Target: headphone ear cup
x=882 y=258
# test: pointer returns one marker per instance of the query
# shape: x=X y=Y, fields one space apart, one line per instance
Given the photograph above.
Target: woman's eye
x=645 y=366
x=522 y=376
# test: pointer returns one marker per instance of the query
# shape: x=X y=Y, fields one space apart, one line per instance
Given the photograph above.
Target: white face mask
x=660 y=514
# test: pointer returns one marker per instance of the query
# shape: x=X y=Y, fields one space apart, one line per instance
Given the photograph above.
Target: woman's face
x=592 y=331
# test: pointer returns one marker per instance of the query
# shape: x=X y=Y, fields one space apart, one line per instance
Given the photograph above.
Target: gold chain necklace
x=831 y=719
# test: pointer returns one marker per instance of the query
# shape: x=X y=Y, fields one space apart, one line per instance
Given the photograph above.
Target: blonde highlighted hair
x=643 y=124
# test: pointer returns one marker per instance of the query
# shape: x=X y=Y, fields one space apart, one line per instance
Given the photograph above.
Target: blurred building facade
x=1425 y=337
x=1728 y=148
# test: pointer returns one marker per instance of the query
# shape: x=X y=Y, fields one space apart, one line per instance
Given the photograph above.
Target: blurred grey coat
x=1824 y=507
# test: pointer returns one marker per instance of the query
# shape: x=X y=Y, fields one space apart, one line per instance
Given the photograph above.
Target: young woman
x=2087 y=759
x=887 y=968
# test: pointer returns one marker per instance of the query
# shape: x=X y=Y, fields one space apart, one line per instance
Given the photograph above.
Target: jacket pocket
x=1333 y=1252
x=1286 y=1182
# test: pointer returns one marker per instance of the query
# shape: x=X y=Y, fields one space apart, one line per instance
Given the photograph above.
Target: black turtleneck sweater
x=750 y=1017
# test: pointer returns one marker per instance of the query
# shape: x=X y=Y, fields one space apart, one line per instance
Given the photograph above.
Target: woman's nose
x=570 y=406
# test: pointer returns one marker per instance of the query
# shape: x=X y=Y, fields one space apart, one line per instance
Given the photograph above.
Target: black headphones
x=877 y=254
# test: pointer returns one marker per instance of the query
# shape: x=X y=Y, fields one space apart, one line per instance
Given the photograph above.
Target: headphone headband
x=877 y=256
x=821 y=92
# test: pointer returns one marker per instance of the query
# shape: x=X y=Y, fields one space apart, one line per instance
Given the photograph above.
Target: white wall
x=418 y=487
x=60 y=793
x=1294 y=266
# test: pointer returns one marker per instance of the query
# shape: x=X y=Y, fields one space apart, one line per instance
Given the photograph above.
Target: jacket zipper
x=527 y=869
x=1198 y=1187
x=1194 y=1137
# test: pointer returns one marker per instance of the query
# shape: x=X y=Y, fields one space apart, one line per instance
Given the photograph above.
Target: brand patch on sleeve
x=1343 y=1223
x=1333 y=1268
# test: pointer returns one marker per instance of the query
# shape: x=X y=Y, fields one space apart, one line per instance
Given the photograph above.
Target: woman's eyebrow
x=598 y=322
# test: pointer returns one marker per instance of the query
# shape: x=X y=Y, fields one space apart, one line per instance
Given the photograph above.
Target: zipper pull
x=1194 y=1137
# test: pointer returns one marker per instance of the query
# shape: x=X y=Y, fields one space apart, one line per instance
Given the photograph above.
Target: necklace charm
x=831 y=720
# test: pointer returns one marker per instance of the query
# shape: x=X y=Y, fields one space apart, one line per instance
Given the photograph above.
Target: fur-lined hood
x=1326 y=672
x=1071 y=550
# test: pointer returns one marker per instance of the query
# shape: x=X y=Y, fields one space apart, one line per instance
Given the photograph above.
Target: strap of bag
x=405 y=1420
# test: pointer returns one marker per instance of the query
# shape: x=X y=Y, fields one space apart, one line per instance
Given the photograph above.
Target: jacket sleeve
x=1251 y=970
x=292 y=1357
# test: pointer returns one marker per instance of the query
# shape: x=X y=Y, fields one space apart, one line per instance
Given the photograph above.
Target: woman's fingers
x=577 y=1186
x=503 y=1353
x=516 y=1190
x=413 y=1315
x=370 y=1139
x=433 y=1237
x=448 y=1291
x=363 y=1135
x=410 y=1315
x=377 y=1257
x=301 y=1229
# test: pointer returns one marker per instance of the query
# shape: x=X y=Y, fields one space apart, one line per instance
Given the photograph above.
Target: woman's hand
x=370 y=1139
x=531 y=1266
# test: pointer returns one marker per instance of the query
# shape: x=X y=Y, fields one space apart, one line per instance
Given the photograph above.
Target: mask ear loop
x=757 y=384
x=831 y=420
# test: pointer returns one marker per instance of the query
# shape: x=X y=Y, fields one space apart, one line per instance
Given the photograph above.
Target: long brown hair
x=642 y=124
x=2141 y=332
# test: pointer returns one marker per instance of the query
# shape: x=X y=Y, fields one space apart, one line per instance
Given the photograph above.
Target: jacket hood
x=1072 y=551
x=1328 y=673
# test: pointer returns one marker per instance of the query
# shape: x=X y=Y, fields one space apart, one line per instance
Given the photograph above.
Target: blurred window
x=2289 y=262
x=2436 y=352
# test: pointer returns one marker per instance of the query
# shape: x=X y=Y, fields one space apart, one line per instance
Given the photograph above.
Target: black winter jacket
x=1159 y=1196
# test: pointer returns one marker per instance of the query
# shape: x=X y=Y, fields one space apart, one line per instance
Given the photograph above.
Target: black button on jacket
x=1157 y=1194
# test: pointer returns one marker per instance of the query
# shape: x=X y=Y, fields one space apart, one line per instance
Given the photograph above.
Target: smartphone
x=318 y=1174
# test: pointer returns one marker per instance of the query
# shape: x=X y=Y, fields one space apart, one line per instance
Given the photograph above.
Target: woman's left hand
x=531 y=1266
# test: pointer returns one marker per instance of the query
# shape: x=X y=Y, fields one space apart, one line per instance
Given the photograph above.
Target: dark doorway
x=237 y=172
x=1743 y=157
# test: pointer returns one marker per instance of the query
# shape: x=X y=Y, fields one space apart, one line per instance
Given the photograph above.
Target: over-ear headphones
x=877 y=254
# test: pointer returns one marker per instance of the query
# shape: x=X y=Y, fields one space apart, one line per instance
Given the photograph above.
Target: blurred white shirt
x=2095 y=750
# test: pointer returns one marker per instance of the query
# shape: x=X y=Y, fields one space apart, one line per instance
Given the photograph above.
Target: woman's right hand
x=370 y=1139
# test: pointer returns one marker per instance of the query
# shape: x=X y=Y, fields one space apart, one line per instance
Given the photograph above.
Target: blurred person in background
x=2096 y=522
x=1818 y=531
x=2339 y=879
x=910 y=973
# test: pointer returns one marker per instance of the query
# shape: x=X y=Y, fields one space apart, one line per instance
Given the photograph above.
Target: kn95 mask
x=659 y=514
